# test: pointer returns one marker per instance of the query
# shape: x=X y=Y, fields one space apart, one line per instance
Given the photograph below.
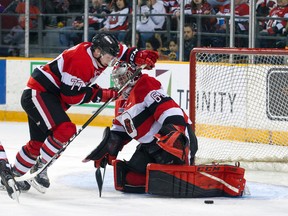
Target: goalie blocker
x=182 y=181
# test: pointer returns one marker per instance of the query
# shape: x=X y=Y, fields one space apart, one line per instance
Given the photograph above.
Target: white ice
x=73 y=190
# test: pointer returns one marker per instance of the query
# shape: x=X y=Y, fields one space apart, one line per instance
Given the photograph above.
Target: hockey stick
x=99 y=178
x=29 y=175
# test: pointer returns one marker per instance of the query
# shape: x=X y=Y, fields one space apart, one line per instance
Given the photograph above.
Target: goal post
x=239 y=104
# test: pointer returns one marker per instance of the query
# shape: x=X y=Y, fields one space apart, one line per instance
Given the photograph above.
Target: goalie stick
x=29 y=175
x=98 y=174
x=99 y=178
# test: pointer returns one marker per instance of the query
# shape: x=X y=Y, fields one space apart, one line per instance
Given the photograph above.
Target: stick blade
x=99 y=180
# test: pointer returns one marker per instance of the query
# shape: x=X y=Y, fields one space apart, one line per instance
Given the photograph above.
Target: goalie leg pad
x=126 y=180
x=195 y=181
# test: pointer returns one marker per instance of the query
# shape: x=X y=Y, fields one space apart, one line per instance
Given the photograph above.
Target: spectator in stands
x=171 y=6
x=97 y=10
x=199 y=7
x=148 y=23
x=55 y=7
x=173 y=50
x=154 y=44
x=118 y=20
x=216 y=3
x=15 y=38
x=189 y=40
x=263 y=8
x=34 y=11
x=241 y=24
x=276 y=27
x=72 y=35
x=109 y=4
x=128 y=39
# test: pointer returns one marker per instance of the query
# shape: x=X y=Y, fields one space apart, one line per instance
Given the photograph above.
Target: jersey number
x=157 y=96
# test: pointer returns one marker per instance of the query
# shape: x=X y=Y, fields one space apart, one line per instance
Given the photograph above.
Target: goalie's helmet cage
x=107 y=43
x=121 y=73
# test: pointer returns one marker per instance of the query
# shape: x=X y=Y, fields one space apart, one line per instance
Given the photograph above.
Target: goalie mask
x=121 y=73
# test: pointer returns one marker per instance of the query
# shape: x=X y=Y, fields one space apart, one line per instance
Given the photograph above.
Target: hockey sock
x=24 y=161
x=3 y=155
x=50 y=148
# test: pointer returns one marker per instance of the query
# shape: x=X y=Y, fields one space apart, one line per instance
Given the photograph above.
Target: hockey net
x=239 y=106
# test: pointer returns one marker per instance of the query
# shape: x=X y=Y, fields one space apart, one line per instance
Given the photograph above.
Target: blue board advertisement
x=2 y=81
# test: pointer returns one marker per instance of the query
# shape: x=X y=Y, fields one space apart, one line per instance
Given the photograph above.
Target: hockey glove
x=103 y=95
x=172 y=139
x=107 y=150
x=146 y=57
x=107 y=94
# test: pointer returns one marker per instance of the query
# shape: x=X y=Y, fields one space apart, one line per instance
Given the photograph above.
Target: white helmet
x=121 y=73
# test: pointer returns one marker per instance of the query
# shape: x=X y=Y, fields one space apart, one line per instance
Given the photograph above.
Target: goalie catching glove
x=107 y=150
x=172 y=139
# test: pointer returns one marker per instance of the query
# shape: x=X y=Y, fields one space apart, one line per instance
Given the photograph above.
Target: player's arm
x=74 y=92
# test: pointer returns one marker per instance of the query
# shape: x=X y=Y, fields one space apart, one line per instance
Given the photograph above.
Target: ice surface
x=73 y=190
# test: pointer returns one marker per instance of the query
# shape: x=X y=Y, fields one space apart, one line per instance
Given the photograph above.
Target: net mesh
x=241 y=107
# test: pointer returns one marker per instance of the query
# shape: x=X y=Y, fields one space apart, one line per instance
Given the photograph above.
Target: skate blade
x=37 y=186
x=16 y=192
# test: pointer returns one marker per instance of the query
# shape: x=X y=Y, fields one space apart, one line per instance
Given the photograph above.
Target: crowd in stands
x=155 y=18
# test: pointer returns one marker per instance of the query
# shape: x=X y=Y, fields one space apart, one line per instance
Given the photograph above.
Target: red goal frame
x=217 y=50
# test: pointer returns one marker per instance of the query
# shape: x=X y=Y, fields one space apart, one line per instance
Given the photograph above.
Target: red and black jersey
x=116 y=22
x=171 y=5
x=70 y=74
x=146 y=110
x=278 y=12
x=240 y=10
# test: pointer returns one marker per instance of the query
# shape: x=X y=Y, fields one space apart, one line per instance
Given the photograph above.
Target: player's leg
x=50 y=127
x=6 y=175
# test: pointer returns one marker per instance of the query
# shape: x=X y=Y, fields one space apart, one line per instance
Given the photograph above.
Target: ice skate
x=7 y=180
x=23 y=186
x=41 y=181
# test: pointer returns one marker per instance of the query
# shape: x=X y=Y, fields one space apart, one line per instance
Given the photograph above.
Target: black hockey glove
x=107 y=150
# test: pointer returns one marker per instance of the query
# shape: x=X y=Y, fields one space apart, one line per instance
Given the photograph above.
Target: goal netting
x=239 y=105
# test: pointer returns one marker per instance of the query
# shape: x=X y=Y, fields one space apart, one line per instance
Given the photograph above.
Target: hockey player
x=144 y=112
x=52 y=89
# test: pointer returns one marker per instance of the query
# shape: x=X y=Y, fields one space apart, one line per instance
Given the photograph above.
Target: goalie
x=146 y=113
x=163 y=163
